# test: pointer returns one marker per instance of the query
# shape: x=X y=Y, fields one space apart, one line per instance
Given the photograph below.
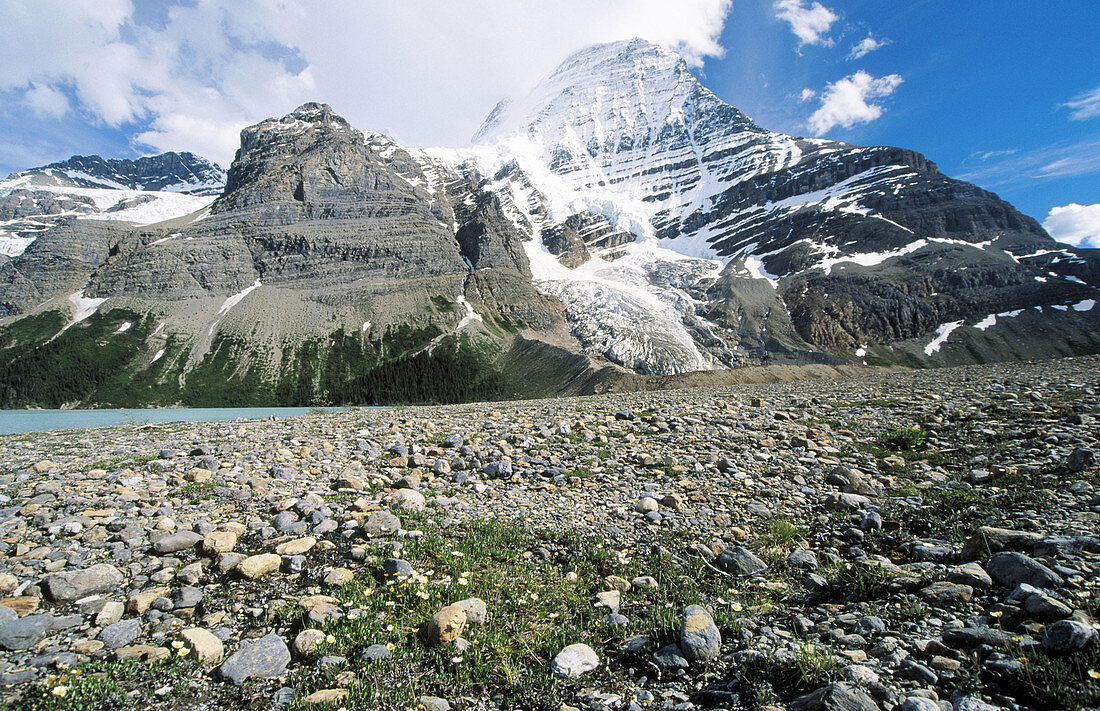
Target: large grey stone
x=835 y=697
x=175 y=542
x=740 y=560
x=1010 y=569
x=1068 y=636
x=69 y=585
x=574 y=660
x=120 y=633
x=24 y=632
x=265 y=657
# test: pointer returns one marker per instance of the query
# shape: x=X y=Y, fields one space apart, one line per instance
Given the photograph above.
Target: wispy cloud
x=1054 y=161
x=866 y=46
x=988 y=155
x=1085 y=105
x=1075 y=224
x=849 y=101
x=809 y=22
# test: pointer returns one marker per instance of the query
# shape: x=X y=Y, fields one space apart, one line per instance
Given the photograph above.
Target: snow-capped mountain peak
x=609 y=95
x=184 y=173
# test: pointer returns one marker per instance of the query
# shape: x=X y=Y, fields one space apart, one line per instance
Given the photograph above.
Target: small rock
x=381 y=522
x=257 y=566
x=307 y=642
x=175 y=542
x=338 y=576
x=298 y=546
x=396 y=569
x=219 y=542
x=408 y=500
x=72 y=585
x=375 y=653
x=110 y=613
x=574 y=660
x=741 y=561
x=434 y=703
x=325 y=696
x=671 y=657
x=24 y=632
x=838 y=696
x=445 y=626
x=945 y=593
x=700 y=639
x=207 y=649
x=970 y=574
x=120 y=633
x=1011 y=569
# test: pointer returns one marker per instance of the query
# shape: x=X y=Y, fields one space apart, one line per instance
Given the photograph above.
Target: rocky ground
x=923 y=540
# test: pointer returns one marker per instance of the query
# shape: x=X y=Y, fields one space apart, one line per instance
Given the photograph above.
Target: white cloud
x=848 y=101
x=432 y=68
x=1085 y=105
x=865 y=47
x=46 y=101
x=1075 y=224
x=806 y=95
x=809 y=22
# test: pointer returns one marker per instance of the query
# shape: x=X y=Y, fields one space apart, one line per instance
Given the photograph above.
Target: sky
x=1002 y=94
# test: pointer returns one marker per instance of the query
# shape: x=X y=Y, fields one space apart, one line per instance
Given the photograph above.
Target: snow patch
x=236 y=298
x=470 y=316
x=988 y=321
x=124 y=327
x=157 y=356
x=1085 y=305
x=85 y=307
x=941 y=337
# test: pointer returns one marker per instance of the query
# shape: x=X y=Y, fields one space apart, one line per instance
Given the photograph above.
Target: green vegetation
x=905 y=439
x=535 y=608
x=92 y=360
x=1060 y=682
x=959 y=508
x=94 y=363
x=110 y=684
x=782 y=533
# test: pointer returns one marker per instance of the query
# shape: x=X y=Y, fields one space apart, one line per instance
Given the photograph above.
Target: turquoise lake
x=16 y=421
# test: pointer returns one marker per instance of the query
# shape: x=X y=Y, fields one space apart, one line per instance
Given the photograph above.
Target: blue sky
x=1003 y=93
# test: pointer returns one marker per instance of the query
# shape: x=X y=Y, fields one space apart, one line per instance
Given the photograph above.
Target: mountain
x=172 y=172
x=756 y=247
x=142 y=191
x=334 y=266
x=620 y=221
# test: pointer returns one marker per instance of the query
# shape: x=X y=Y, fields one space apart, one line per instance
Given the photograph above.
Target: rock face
x=323 y=238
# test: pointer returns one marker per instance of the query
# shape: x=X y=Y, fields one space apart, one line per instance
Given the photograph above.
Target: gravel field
x=916 y=540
